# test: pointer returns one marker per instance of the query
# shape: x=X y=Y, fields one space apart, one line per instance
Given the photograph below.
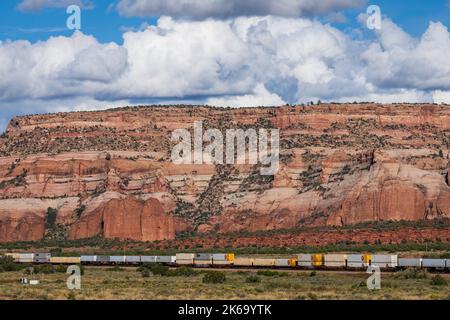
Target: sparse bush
x=253 y=279
x=270 y=273
x=412 y=273
x=214 y=277
x=438 y=280
x=8 y=264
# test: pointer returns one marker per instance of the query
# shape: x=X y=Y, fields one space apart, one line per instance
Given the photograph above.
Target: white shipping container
x=148 y=259
x=335 y=260
x=247 y=262
x=185 y=256
x=262 y=262
x=166 y=259
x=356 y=261
x=384 y=260
x=282 y=262
x=304 y=260
x=88 y=258
x=185 y=261
x=117 y=259
x=220 y=256
x=132 y=259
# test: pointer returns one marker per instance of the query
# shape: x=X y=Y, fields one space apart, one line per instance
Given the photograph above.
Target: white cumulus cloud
x=234 y=62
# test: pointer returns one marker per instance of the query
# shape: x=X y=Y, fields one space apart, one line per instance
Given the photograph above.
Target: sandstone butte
x=109 y=173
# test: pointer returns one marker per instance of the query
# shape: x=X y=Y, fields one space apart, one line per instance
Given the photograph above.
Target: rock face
x=109 y=173
x=124 y=219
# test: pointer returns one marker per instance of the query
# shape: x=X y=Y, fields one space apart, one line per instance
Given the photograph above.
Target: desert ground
x=130 y=283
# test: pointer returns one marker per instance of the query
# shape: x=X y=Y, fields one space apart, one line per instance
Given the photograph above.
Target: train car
x=185 y=258
x=409 y=262
x=264 y=262
x=26 y=258
x=358 y=261
x=65 y=260
x=243 y=262
x=166 y=259
x=433 y=263
x=203 y=259
x=148 y=259
x=317 y=260
x=282 y=263
x=447 y=264
x=304 y=260
x=117 y=259
x=132 y=259
x=88 y=259
x=222 y=259
x=42 y=257
x=335 y=260
x=384 y=261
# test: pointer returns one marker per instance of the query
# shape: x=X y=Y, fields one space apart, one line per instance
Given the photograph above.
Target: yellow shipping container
x=229 y=257
x=293 y=262
x=65 y=260
x=367 y=258
x=317 y=260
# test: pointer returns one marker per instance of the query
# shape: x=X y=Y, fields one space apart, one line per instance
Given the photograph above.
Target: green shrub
x=270 y=273
x=214 y=277
x=412 y=273
x=7 y=264
x=185 y=272
x=253 y=279
x=313 y=273
x=438 y=280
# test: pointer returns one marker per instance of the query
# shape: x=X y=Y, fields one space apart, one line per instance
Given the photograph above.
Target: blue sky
x=108 y=25
x=234 y=53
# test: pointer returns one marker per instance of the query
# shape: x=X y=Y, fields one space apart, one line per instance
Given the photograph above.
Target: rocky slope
x=109 y=173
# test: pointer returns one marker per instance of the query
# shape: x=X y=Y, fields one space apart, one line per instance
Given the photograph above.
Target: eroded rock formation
x=108 y=173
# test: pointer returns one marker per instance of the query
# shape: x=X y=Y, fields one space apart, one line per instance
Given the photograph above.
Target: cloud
x=37 y=5
x=202 y=9
x=236 y=62
x=260 y=97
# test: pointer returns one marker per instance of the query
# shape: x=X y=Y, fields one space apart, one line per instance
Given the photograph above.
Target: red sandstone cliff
x=109 y=173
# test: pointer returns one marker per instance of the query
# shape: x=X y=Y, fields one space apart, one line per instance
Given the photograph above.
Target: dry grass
x=100 y=283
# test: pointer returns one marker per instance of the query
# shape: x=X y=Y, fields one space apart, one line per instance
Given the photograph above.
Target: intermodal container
x=335 y=260
x=148 y=259
x=355 y=261
x=204 y=256
x=117 y=259
x=263 y=262
x=243 y=262
x=304 y=260
x=282 y=262
x=433 y=263
x=410 y=262
x=65 y=260
x=384 y=260
x=88 y=259
x=132 y=259
x=166 y=259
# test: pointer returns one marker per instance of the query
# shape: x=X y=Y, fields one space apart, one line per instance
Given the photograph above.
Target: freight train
x=219 y=260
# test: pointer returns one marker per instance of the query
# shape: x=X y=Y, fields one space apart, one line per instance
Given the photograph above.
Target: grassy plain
x=129 y=283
